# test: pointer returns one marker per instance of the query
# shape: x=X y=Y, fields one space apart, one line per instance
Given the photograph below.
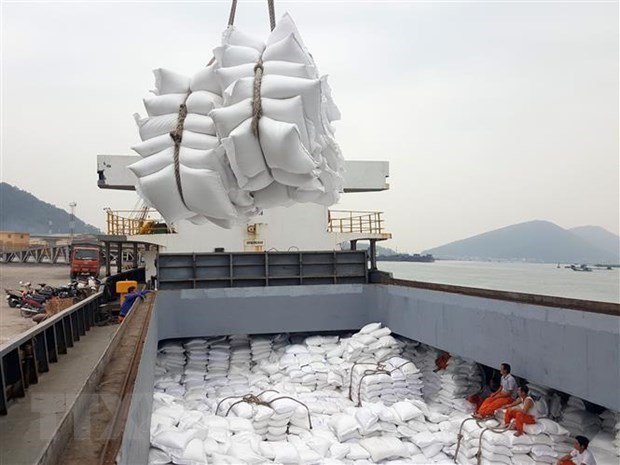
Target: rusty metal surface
x=98 y=436
x=606 y=308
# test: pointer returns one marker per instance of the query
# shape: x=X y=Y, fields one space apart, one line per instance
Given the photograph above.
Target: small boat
x=583 y=267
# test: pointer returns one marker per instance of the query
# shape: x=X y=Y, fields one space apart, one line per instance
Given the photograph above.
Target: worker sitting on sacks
x=500 y=398
x=130 y=298
x=580 y=455
x=521 y=411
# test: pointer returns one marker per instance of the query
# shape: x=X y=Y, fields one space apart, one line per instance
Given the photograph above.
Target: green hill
x=601 y=238
x=22 y=211
x=537 y=241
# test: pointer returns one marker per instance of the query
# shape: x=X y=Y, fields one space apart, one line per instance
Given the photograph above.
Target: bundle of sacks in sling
x=250 y=131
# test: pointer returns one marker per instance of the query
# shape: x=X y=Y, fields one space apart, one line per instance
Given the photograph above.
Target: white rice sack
x=205 y=80
x=198 y=141
x=157 y=105
x=202 y=102
x=357 y=452
x=170 y=82
x=233 y=36
x=406 y=411
x=539 y=450
x=366 y=418
x=320 y=445
x=287 y=49
x=206 y=184
x=381 y=332
x=172 y=440
x=497 y=439
x=384 y=447
x=273 y=195
x=339 y=451
x=370 y=328
x=154 y=145
x=344 y=427
x=156 y=125
x=282 y=87
x=605 y=441
x=246 y=159
x=192 y=454
x=245 y=453
x=199 y=123
x=158 y=457
x=234 y=55
x=275 y=136
x=551 y=427
x=522 y=459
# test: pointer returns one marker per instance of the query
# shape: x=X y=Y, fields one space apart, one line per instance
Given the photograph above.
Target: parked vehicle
x=13 y=297
x=85 y=260
x=32 y=300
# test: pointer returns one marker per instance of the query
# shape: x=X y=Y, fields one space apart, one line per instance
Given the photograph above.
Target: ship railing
x=352 y=221
x=25 y=358
x=134 y=222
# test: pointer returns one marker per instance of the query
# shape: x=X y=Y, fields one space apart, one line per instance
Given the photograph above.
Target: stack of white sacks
x=386 y=382
x=304 y=368
x=188 y=428
x=578 y=420
x=196 y=354
x=372 y=343
x=424 y=358
x=541 y=443
x=575 y=419
x=605 y=445
x=460 y=379
x=226 y=172
x=260 y=348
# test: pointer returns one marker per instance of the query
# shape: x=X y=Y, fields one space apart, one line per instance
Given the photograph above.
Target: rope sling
x=378 y=370
x=493 y=429
x=177 y=133
x=256 y=400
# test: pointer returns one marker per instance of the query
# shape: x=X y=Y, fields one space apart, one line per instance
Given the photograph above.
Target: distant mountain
x=23 y=212
x=537 y=241
x=600 y=237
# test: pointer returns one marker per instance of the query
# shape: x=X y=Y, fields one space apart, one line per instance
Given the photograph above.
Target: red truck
x=85 y=260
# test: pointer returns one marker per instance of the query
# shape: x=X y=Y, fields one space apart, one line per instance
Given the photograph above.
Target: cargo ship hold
x=283 y=276
x=264 y=341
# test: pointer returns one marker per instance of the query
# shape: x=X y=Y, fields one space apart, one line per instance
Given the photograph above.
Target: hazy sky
x=490 y=113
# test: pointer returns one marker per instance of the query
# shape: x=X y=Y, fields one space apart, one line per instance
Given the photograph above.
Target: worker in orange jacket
x=521 y=411
x=500 y=398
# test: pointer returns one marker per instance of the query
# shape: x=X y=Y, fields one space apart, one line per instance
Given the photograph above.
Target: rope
x=492 y=429
x=272 y=14
x=380 y=369
x=299 y=402
x=241 y=397
x=351 y=377
x=256 y=400
x=257 y=107
x=177 y=136
x=233 y=11
x=270 y=7
x=460 y=434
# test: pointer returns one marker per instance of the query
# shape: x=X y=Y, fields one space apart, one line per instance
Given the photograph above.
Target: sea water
x=532 y=278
